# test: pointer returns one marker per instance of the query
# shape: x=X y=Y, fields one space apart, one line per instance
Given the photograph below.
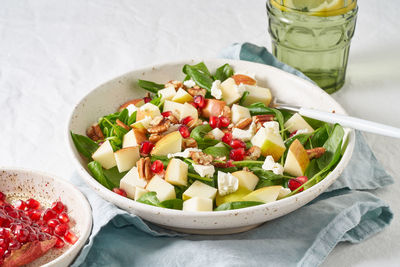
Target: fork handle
x=351 y=122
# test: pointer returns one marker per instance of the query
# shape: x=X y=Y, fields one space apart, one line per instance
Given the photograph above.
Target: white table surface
x=54 y=52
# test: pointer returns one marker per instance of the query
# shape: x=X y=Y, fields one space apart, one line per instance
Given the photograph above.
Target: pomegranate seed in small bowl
x=184 y=130
x=63 y=217
x=32 y=204
x=70 y=237
x=58 y=207
x=20 y=204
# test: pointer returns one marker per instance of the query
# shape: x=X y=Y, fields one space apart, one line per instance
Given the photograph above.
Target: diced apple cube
x=133 y=138
x=199 y=189
x=213 y=107
x=246 y=179
x=142 y=125
x=105 y=155
x=127 y=157
x=257 y=94
x=163 y=189
x=264 y=194
x=198 y=204
x=269 y=142
x=182 y=96
x=174 y=107
x=296 y=122
x=297 y=159
x=167 y=93
x=131 y=181
x=176 y=172
x=140 y=192
x=168 y=144
x=147 y=110
x=188 y=110
x=230 y=91
x=239 y=112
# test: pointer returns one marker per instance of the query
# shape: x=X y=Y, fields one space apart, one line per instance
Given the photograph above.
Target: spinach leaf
x=202 y=67
x=312 y=168
x=192 y=174
x=164 y=159
x=113 y=176
x=217 y=151
x=319 y=137
x=261 y=109
x=175 y=204
x=223 y=72
x=228 y=169
x=331 y=145
x=198 y=134
x=237 y=205
x=150 y=86
x=264 y=183
x=243 y=98
x=84 y=144
x=150 y=198
x=199 y=76
x=268 y=175
x=248 y=163
x=157 y=101
x=301 y=137
x=97 y=171
x=179 y=190
x=124 y=116
x=132 y=118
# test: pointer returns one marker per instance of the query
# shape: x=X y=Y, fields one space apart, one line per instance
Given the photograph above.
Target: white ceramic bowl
x=286 y=87
x=46 y=188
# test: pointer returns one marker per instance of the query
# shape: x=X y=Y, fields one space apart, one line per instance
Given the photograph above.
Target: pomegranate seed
x=8 y=208
x=236 y=143
x=32 y=237
x=146 y=147
x=47 y=230
x=59 y=243
x=15 y=227
x=184 y=130
x=14 y=244
x=58 y=207
x=147 y=99
x=157 y=166
x=43 y=236
x=214 y=122
x=4 y=243
x=200 y=101
x=13 y=214
x=61 y=229
x=227 y=138
x=70 y=237
x=53 y=223
x=49 y=214
x=5 y=222
x=237 y=154
x=194 y=105
x=35 y=215
x=166 y=114
x=2 y=251
x=186 y=120
x=293 y=184
x=22 y=235
x=2 y=196
x=302 y=179
x=224 y=121
x=119 y=191
x=293 y=133
x=63 y=217
x=33 y=203
x=229 y=163
x=7 y=253
x=20 y=204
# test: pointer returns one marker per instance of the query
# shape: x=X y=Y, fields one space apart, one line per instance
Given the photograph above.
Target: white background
x=54 y=52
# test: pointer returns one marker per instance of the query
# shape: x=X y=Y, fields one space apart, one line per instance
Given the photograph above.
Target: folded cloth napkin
x=302 y=238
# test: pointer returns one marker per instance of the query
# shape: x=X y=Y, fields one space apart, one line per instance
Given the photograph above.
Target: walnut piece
x=196 y=90
x=226 y=112
x=189 y=142
x=253 y=153
x=201 y=158
x=172 y=119
x=144 y=168
x=155 y=137
x=94 y=132
x=161 y=127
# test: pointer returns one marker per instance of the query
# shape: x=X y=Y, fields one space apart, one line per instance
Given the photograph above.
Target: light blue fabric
x=302 y=238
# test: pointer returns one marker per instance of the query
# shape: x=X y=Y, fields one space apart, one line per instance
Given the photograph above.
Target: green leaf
x=132 y=118
x=198 y=134
x=223 y=72
x=175 y=204
x=150 y=86
x=84 y=144
x=319 y=137
x=202 y=67
x=97 y=172
x=156 y=101
x=268 y=175
x=264 y=183
x=301 y=137
x=331 y=145
x=164 y=159
x=237 y=205
x=217 y=151
x=113 y=176
x=228 y=169
x=124 y=116
x=261 y=109
x=248 y=163
x=200 y=77
x=243 y=98
x=150 y=198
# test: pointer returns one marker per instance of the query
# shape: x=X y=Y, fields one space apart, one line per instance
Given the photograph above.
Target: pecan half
x=196 y=90
x=263 y=118
x=201 y=158
x=155 y=137
x=253 y=153
x=243 y=123
x=123 y=125
x=189 y=142
x=94 y=132
x=315 y=153
x=144 y=168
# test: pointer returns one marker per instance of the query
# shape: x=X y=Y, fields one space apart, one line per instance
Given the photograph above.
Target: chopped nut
x=189 y=142
x=160 y=128
x=144 y=168
x=315 y=153
x=243 y=123
x=123 y=125
x=253 y=153
x=194 y=123
x=226 y=112
x=201 y=158
x=196 y=90
x=156 y=120
x=155 y=137
x=175 y=84
x=263 y=118
x=94 y=132
x=245 y=169
x=172 y=119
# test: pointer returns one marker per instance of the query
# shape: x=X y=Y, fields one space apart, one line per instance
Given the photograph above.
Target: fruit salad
x=209 y=142
x=28 y=230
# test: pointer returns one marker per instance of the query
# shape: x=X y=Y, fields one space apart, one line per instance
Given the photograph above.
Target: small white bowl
x=286 y=87
x=19 y=183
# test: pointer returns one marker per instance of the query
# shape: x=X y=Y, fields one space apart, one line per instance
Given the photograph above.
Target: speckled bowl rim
x=126 y=203
x=87 y=223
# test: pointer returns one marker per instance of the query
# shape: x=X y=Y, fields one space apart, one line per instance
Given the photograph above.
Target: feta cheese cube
x=270 y=165
x=204 y=170
x=227 y=183
x=189 y=83
x=216 y=89
x=131 y=108
x=272 y=126
x=217 y=133
x=184 y=154
x=243 y=135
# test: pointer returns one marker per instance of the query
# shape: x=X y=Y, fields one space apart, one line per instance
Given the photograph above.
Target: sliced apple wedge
x=174 y=107
x=131 y=181
x=163 y=189
x=264 y=194
x=239 y=112
x=168 y=144
x=270 y=142
x=199 y=189
x=105 y=155
x=167 y=93
x=133 y=138
x=230 y=92
x=236 y=196
x=182 y=96
x=296 y=160
x=126 y=158
x=188 y=110
x=257 y=94
x=142 y=125
x=198 y=204
x=147 y=110
x=176 y=172
x=246 y=179
x=213 y=107
x=243 y=79
x=296 y=122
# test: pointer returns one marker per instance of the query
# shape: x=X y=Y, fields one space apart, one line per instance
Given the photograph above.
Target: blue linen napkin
x=302 y=238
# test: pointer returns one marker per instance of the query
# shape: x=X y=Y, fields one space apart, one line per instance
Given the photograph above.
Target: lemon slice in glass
x=322 y=8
